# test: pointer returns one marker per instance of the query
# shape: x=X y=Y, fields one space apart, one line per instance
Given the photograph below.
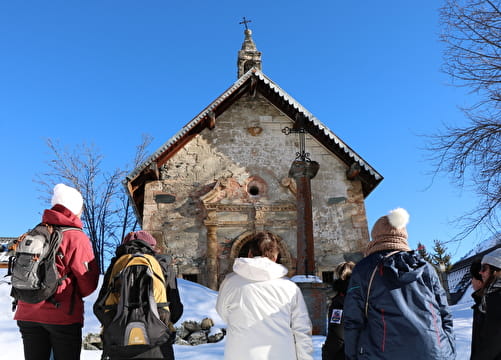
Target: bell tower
x=248 y=56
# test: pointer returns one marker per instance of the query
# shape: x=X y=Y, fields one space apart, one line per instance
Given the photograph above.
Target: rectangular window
x=191 y=277
x=328 y=277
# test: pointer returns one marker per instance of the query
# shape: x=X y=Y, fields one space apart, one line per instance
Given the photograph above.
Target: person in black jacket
x=477 y=284
x=487 y=314
x=333 y=348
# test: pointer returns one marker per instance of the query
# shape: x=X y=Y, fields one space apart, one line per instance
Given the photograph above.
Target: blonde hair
x=343 y=270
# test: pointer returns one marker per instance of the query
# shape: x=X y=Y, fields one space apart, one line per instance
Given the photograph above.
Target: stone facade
x=231 y=180
x=225 y=175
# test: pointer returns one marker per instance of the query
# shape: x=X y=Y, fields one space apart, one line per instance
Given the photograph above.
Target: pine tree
x=440 y=256
x=422 y=251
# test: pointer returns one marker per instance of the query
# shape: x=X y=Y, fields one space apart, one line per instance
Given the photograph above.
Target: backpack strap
x=372 y=278
x=10 y=266
x=62 y=228
x=125 y=290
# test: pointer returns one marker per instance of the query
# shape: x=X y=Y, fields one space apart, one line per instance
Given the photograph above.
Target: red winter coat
x=80 y=266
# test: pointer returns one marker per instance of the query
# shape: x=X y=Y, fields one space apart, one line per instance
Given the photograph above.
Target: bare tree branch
x=107 y=215
x=471 y=154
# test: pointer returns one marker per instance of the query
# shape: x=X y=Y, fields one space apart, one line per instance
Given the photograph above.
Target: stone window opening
x=254 y=190
x=256 y=187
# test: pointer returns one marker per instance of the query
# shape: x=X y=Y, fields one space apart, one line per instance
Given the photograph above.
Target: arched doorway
x=240 y=248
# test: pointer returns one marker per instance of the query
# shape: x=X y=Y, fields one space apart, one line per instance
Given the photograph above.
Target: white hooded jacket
x=266 y=314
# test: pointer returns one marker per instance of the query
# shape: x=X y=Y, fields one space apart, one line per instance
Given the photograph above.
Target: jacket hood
x=495 y=286
x=258 y=268
x=59 y=215
x=406 y=266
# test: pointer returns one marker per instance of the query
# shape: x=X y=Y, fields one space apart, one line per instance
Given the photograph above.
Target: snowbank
x=199 y=302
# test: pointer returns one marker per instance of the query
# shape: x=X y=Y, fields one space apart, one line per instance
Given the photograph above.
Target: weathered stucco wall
x=234 y=179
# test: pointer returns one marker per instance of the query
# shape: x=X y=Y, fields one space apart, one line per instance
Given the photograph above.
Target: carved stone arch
x=244 y=238
x=238 y=244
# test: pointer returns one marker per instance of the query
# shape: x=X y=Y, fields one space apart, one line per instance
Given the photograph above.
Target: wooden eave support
x=353 y=171
x=211 y=120
x=253 y=87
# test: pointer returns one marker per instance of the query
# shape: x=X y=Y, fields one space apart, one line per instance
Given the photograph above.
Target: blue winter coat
x=408 y=316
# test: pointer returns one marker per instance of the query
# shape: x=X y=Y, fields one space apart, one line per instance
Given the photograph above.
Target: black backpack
x=132 y=305
x=32 y=268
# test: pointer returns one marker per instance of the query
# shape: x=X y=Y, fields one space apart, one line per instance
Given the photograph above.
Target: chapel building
x=225 y=176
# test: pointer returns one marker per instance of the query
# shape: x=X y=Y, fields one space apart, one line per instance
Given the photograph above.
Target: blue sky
x=105 y=72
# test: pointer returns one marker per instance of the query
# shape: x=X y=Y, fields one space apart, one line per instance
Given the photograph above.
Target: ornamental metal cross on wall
x=302 y=155
x=245 y=22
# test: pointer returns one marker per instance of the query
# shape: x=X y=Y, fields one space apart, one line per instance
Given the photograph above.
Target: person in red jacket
x=45 y=327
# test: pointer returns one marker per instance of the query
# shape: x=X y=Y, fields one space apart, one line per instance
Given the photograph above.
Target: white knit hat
x=493 y=258
x=69 y=197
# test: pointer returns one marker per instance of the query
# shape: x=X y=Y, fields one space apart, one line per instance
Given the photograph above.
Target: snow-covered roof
x=4 y=255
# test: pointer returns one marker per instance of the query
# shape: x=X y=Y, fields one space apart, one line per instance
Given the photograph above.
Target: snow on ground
x=199 y=302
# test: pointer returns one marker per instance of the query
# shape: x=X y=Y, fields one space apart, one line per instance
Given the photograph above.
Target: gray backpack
x=33 y=270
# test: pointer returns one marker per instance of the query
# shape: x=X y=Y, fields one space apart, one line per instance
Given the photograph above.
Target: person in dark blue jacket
x=395 y=306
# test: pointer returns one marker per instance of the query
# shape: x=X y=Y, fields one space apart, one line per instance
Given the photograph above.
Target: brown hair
x=475 y=270
x=264 y=244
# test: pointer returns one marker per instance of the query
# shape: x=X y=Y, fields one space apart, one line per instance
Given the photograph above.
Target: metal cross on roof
x=245 y=22
x=301 y=155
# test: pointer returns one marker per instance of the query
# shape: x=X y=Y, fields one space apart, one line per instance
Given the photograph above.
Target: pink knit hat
x=390 y=233
x=140 y=235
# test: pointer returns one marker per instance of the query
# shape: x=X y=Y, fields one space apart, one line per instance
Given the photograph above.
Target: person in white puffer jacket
x=265 y=312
